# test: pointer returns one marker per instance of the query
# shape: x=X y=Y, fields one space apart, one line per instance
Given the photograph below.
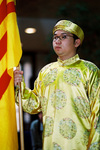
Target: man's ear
x=77 y=42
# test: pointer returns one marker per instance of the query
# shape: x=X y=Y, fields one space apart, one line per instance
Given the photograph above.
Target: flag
x=10 y=54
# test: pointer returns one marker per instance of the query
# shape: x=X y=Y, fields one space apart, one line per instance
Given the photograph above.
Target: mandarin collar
x=68 y=61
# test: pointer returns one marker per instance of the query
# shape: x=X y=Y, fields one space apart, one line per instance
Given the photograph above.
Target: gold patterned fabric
x=71 y=27
x=68 y=93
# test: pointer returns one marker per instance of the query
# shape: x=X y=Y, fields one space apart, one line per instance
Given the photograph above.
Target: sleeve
x=94 y=97
x=30 y=98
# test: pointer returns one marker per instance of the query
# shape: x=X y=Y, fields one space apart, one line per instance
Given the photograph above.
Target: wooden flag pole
x=21 y=119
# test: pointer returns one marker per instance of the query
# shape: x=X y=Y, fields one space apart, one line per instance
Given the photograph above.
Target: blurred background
x=42 y=15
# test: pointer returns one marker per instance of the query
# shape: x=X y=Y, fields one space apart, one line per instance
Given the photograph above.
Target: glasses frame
x=61 y=37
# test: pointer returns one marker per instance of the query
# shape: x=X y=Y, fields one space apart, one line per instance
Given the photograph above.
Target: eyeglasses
x=61 y=37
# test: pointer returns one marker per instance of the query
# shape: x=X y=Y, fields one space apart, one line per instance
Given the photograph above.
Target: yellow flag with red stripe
x=10 y=55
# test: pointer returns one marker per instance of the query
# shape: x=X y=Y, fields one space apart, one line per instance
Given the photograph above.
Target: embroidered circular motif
x=56 y=146
x=58 y=99
x=86 y=137
x=43 y=104
x=48 y=130
x=50 y=77
x=72 y=76
x=67 y=128
x=95 y=146
x=82 y=107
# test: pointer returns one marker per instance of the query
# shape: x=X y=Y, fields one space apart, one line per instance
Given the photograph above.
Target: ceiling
x=38 y=8
x=42 y=15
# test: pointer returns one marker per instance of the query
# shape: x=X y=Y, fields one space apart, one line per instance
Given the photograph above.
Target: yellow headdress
x=71 y=27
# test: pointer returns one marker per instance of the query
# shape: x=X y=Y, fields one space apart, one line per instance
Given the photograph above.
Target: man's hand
x=17 y=76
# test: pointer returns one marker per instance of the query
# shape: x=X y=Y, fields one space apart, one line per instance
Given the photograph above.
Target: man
x=68 y=93
x=36 y=130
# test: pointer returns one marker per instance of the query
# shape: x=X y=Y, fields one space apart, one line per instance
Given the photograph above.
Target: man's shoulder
x=48 y=66
x=89 y=65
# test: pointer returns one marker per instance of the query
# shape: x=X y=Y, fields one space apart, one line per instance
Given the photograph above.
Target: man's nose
x=58 y=40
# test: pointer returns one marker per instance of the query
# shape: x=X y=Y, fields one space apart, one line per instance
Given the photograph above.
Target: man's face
x=64 y=44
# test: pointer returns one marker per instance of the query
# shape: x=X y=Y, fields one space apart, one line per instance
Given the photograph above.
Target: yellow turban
x=71 y=27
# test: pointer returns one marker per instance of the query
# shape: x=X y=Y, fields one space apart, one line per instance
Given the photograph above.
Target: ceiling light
x=30 y=30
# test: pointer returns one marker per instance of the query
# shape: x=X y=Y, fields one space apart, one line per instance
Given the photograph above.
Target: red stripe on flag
x=4 y=82
x=10 y=7
x=3 y=46
x=5 y=9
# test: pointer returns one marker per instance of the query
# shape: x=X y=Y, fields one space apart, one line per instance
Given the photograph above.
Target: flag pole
x=21 y=119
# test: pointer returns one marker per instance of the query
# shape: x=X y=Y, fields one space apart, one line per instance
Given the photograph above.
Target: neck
x=66 y=57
